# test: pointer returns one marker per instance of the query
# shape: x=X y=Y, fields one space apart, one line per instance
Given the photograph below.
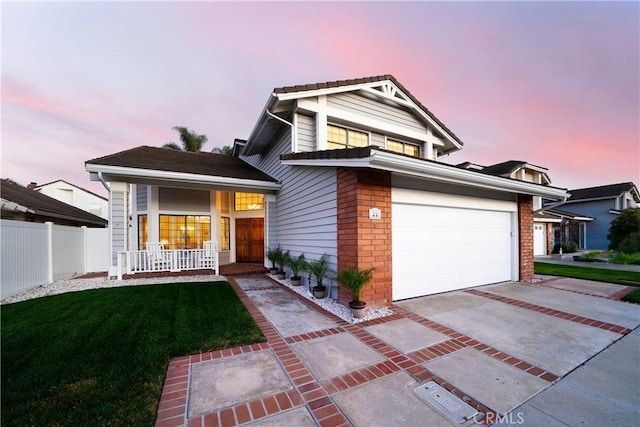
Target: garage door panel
x=438 y=249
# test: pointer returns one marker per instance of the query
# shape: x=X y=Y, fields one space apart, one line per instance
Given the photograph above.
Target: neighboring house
x=523 y=171
x=348 y=168
x=19 y=203
x=597 y=207
x=76 y=196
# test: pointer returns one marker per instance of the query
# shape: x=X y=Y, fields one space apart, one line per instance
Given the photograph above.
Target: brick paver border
x=316 y=395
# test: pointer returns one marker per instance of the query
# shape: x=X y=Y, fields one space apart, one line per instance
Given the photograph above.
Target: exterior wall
x=550 y=243
x=363 y=242
x=374 y=109
x=306 y=129
x=81 y=199
x=525 y=237
x=140 y=192
x=118 y=222
x=302 y=219
x=597 y=229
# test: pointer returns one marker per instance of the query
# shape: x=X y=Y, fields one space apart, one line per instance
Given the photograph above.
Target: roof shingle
x=44 y=205
x=200 y=163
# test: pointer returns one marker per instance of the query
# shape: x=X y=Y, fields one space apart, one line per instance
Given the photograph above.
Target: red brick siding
x=525 y=230
x=363 y=242
x=549 y=231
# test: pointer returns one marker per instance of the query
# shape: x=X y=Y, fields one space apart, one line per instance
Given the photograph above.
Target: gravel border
x=332 y=306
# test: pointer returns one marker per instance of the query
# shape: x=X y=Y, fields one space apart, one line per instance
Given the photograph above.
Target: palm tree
x=227 y=150
x=191 y=141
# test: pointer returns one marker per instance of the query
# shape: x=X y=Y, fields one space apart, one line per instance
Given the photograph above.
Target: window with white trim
x=402 y=147
x=341 y=137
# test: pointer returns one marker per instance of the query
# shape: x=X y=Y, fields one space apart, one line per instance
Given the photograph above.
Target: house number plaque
x=375 y=213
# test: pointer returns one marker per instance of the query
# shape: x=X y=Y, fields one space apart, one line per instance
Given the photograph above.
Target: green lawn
x=629 y=278
x=99 y=357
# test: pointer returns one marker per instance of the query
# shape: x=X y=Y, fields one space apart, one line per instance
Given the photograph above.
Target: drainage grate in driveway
x=445 y=402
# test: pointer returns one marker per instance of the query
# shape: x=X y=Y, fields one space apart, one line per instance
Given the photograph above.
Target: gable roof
x=504 y=169
x=604 y=192
x=16 y=197
x=38 y=187
x=200 y=163
x=560 y=214
x=267 y=124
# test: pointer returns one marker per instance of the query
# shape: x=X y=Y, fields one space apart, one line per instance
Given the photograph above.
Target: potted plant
x=296 y=264
x=281 y=261
x=318 y=268
x=273 y=255
x=354 y=279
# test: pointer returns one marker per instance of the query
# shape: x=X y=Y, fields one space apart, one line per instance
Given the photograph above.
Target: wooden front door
x=250 y=240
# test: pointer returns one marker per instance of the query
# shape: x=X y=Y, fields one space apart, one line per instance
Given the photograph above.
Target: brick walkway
x=316 y=395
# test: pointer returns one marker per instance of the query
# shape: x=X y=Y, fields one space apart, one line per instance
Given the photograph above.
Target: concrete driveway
x=502 y=353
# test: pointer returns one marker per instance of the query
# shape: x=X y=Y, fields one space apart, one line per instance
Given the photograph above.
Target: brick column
x=364 y=242
x=525 y=236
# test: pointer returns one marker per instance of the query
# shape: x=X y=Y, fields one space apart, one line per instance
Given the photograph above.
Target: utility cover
x=446 y=403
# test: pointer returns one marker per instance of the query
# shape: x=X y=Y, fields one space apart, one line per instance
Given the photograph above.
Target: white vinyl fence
x=35 y=254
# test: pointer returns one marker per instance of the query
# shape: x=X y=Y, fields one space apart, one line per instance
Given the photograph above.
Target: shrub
x=567 y=248
x=623 y=226
x=630 y=244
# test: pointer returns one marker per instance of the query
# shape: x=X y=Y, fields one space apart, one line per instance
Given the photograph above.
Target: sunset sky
x=556 y=84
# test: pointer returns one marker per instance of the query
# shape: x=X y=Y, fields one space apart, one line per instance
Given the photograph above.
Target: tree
x=623 y=226
x=227 y=150
x=190 y=140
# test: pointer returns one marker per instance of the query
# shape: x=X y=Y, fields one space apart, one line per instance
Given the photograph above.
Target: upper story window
x=403 y=147
x=340 y=137
x=249 y=202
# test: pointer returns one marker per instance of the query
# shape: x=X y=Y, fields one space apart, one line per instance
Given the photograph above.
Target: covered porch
x=205 y=211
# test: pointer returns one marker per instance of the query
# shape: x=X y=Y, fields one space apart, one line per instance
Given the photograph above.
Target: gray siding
x=184 y=200
x=224 y=257
x=306 y=133
x=118 y=224
x=361 y=105
x=141 y=197
x=304 y=219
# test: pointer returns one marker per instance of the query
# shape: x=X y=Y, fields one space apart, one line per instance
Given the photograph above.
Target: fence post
x=85 y=249
x=49 y=225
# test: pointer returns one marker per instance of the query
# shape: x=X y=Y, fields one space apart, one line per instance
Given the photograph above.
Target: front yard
x=628 y=278
x=99 y=357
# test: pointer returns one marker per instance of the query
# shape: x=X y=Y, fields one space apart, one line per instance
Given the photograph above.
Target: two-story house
x=348 y=168
x=597 y=207
x=74 y=195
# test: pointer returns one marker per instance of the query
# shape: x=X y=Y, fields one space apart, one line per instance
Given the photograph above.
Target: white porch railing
x=153 y=261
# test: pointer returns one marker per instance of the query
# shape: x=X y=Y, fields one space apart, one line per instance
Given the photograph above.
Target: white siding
x=363 y=106
x=306 y=133
x=377 y=140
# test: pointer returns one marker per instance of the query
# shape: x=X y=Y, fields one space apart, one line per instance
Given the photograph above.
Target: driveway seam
x=553 y=312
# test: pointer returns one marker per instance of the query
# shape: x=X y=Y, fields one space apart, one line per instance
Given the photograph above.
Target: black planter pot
x=281 y=275
x=273 y=271
x=296 y=280
x=319 y=291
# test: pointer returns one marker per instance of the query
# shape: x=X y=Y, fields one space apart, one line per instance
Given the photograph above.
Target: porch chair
x=158 y=258
x=210 y=255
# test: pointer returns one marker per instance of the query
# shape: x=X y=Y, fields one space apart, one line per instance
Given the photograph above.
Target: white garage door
x=443 y=248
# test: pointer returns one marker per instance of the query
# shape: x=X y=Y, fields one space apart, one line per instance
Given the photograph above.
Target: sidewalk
x=567 y=259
